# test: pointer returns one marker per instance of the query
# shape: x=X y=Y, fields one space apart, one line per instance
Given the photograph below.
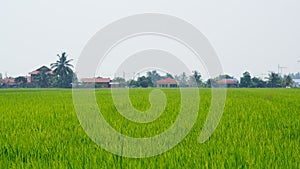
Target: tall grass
x=259 y=129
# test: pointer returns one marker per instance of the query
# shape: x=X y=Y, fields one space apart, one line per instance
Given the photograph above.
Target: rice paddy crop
x=259 y=129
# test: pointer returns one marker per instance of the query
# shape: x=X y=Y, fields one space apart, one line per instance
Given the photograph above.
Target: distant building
x=34 y=74
x=10 y=82
x=228 y=83
x=7 y=82
x=296 y=82
x=167 y=83
x=99 y=82
x=117 y=85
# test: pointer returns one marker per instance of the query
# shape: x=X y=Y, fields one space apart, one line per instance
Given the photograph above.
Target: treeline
x=63 y=76
x=274 y=80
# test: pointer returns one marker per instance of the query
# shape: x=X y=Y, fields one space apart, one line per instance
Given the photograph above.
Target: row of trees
x=274 y=80
x=63 y=75
x=153 y=76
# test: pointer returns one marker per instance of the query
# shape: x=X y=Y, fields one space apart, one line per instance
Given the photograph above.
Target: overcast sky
x=251 y=35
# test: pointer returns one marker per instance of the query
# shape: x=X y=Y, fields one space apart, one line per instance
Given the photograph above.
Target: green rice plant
x=259 y=129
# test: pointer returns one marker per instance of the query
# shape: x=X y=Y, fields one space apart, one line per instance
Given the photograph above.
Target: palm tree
x=62 y=68
x=197 y=76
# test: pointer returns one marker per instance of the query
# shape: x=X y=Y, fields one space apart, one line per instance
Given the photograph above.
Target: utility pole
x=280 y=68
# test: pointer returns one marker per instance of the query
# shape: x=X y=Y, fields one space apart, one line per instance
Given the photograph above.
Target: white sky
x=251 y=35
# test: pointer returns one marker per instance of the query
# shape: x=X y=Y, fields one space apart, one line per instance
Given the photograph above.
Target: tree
x=63 y=71
x=141 y=82
x=154 y=76
x=168 y=75
x=0 y=75
x=246 y=80
x=258 y=83
x=145 y=82
x=20 y=81
x=295 y=75
x=43 y=79
x=182 y=79
x=197 y=77
x=211 y=83
x=226 y=76
x=274 y=80
x=288 y=81
x=133 y=83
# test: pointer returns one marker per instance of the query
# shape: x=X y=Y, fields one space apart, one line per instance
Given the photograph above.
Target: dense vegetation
x=259 y=129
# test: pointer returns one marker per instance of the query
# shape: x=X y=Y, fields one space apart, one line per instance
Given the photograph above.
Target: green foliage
x=145 y=82
x=182 y=79
x=287 y=81
x=211 y=83
x=168 y=75
x=197 y=77
x=258 y=83
x=259 y=129
x=274 y=80
x=226 y=76
x=21 y=81
x=154 y=75
x=63 y=71
x=142 y=82
x=246 y=80
x=44 y=79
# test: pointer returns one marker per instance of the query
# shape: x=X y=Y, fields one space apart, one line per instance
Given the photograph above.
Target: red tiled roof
x=95 y=80
x=8 y=81
x=37 y=71
x=167 y=81
x=34 y=72
x=227 y=81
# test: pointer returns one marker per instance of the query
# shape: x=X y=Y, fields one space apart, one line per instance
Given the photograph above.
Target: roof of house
x=95 y=80
x=227 y=81
x=167 y=81
x=7 y=80
x=37 y=71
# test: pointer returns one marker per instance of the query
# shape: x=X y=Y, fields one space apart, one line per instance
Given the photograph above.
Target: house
x=296 y=82
x=228 y=83
x=35 y=73
x=167 y=82
x=117 y=85
x=10 y=82
x=99 y=82
x=7 y=82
